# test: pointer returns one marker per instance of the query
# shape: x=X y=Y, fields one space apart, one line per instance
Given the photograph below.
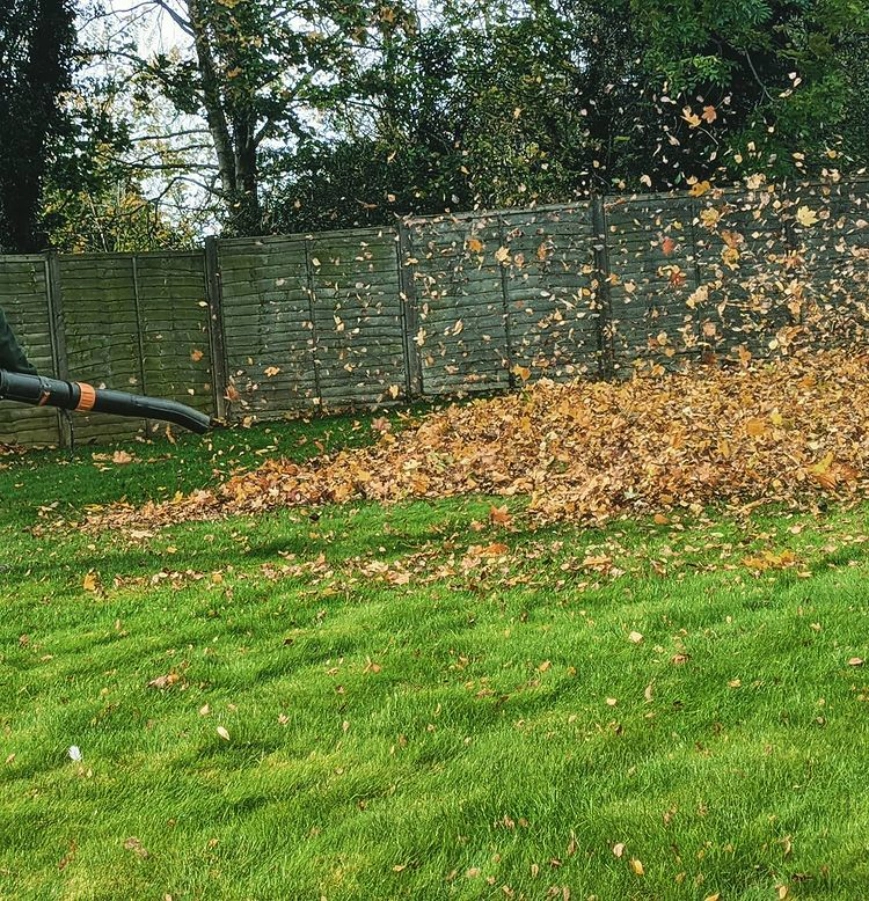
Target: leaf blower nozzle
x=39 y=391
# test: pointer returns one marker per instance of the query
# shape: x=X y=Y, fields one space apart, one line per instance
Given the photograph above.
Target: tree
x=36 y=43
x=247 y=75
x=505 y=105
x=771 y=77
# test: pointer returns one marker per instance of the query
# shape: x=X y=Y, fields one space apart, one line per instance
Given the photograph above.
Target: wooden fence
x=266 y=327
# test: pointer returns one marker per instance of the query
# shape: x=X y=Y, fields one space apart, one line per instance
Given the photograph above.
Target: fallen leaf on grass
x=166 y=681
x=223 y=733
x=500 y=516
x=855 y=661
x=135 y=845
x=91 y=581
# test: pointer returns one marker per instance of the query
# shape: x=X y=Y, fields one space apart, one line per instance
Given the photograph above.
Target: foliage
x=341 y=116
x=116 y=218
x=252 y=71
x=560 y=98
x=36 y=42
x=775 y=73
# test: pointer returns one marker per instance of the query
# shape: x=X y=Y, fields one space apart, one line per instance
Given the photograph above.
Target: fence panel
x=554 y=321
x=829 y=228
x=102 y=335
x=652 y=274
x=25 y=300
x=358 y=322
x=462 y=338
x=743 y=262
x=173 y=316
x=268 y=325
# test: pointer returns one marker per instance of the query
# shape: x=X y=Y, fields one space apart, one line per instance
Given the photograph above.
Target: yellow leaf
x=522 y=371
x=700 y=188
x=730 y=257
x=196 y=355
x=91 y=581
x=709 y=217
x=223 y=733
x=502 y=255
x=806 y=216
x=709 y=114
x=271 y=371
x=690 y=117
x=637 y=867
x=475 y=245
x=823 y=465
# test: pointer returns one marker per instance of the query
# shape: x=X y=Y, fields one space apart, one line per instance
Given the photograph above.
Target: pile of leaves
x=786 y=432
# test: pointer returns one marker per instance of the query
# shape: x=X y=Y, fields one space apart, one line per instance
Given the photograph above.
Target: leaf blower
x=39 y=391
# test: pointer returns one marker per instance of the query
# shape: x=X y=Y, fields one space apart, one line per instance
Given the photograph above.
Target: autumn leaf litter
x=786 y=432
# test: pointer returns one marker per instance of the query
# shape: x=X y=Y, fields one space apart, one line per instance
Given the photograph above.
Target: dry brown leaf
x=135 y=845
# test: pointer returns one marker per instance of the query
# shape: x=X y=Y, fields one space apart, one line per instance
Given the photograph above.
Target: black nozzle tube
x=39 y=391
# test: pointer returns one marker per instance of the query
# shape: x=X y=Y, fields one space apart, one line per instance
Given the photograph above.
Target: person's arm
x=12 y=357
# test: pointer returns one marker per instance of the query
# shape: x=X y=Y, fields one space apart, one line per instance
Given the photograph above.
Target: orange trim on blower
x=88 y=396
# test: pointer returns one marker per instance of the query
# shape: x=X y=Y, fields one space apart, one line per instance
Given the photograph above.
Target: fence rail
x=434 y=306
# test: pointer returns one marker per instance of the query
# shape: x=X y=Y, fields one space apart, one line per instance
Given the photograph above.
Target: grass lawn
x=425 y=701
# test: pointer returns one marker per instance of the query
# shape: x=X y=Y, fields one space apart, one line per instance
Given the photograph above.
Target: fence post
x=216 y=334
x=505 y=305
x=312 y=314
x=409 y=316
x=57 y=333
x=605 y=325
x=140 y=325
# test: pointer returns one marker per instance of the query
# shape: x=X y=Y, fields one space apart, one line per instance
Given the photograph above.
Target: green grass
x=408 y=718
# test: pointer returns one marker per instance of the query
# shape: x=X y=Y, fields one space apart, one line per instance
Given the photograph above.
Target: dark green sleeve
x=12 y=357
